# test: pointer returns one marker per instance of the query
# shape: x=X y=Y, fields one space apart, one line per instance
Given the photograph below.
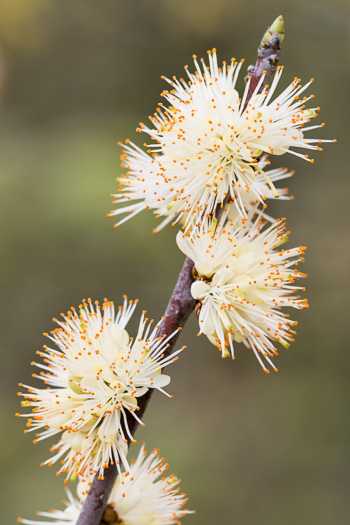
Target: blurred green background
x=76 y=77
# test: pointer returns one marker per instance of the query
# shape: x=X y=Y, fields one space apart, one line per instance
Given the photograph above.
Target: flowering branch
x=181 y=303
x=180 y=306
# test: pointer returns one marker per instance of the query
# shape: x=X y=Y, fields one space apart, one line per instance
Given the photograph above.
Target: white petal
x=204 y=268
x=199 y=289
x=161 y=381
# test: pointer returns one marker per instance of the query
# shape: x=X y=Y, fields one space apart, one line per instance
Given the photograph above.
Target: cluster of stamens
x=94 y=379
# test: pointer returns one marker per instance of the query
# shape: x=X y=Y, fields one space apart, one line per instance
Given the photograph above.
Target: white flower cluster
x=242 y=282
x=94 y=378
x=209 y=152
x=208 y=142
x=141 y=496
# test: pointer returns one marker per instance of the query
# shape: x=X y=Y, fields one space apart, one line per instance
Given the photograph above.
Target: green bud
x=276 y=28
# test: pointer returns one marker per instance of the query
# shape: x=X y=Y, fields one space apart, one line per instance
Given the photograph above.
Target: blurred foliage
x=76 y=77
x=22 y=27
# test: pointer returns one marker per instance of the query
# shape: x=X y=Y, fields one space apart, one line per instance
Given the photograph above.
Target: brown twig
x=269 y=52
x=181 y=303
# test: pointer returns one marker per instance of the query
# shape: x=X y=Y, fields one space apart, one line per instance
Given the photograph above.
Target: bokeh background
x=76 y=77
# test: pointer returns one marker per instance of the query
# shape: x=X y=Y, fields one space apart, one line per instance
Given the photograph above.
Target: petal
x=183 y=245
x=204 y=269
x=161 y=381
x=199 y=289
